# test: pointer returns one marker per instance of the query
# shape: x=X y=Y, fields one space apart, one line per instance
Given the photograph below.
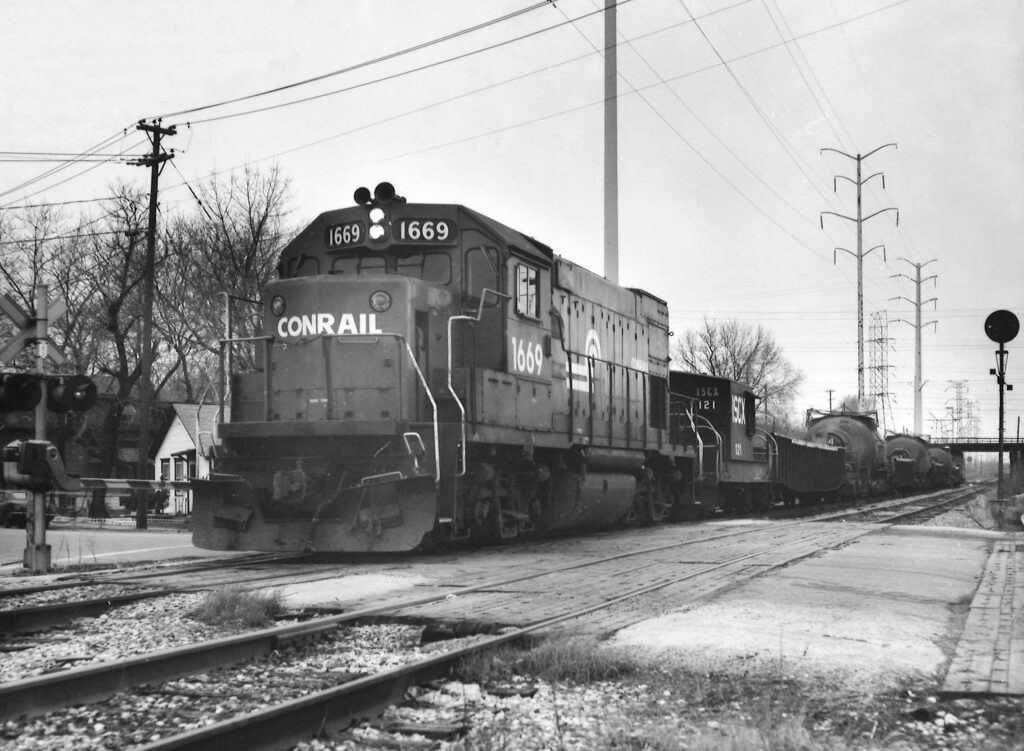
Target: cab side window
x=481 y=273
x=527 y=291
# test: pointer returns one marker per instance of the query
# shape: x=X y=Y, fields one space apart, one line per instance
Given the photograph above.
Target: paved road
x=71 y=546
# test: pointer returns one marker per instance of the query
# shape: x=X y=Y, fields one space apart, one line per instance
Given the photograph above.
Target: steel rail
x=283 y=725
x=38 y=617
x=90 y=683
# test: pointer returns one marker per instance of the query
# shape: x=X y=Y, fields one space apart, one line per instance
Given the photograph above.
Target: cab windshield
x=429 y=266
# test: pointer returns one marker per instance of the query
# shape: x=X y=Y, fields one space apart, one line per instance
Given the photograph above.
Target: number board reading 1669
x=419 y=231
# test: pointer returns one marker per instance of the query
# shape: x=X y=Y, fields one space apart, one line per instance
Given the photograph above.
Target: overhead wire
x=791 y=152
x=96 y=148
x=466 y=94
x=365 y=63
x=708 y=129
x=394 y=76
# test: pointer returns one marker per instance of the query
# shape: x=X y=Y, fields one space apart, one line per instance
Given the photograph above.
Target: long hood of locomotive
x=335 y=363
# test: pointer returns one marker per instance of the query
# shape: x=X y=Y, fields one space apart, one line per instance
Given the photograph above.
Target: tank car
x=907 y=461
x=857 y=433
x=942 y=472
x=426 y=374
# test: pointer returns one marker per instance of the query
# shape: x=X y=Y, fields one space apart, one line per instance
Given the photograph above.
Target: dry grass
x=236 y=607
x=570 y=659
x=656 y=707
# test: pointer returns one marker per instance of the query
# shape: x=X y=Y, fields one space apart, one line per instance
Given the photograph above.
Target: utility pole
x=830 y=392
x=611 y=145
x=917 y=303
x=154 y=161
x=860 y=253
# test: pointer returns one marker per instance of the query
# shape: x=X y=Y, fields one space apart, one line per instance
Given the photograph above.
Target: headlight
x=377 y=229
x=380 y=301
x=277 y=305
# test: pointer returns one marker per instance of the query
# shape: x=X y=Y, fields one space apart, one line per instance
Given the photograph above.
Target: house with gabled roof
x=186 y=450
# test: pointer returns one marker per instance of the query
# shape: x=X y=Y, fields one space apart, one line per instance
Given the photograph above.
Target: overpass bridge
x=1012 y=446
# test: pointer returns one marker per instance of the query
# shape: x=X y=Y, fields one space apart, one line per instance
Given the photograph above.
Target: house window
x=527 y=291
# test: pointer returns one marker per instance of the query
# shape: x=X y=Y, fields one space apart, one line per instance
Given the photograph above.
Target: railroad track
x=611 y=580
x=87 y=597
x=22 y=611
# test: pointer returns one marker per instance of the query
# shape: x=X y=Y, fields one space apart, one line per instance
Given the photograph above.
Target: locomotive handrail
x=423 y=382
x=412 y=359
x=451 y=387
x=225 y=378
x=700 y=443
x=769 y=442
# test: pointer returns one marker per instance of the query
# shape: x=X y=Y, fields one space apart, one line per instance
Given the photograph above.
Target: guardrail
x=119 y=522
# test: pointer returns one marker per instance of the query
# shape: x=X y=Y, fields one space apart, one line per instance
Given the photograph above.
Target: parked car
x=14 y=508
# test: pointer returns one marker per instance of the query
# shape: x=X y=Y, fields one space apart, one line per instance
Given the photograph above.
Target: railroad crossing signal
x=64 y=393
x=26 y=326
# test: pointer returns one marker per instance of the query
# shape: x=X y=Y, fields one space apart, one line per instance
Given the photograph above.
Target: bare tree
x=228 y=246
x=730 y=349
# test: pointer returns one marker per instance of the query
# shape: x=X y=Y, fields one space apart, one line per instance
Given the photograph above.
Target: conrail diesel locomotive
x=427 y=375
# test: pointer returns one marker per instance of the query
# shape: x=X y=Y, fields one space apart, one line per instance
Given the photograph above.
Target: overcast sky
x=722 y=179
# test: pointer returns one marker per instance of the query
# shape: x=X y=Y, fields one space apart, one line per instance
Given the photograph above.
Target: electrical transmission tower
x=878 y=364
x=859 y=220
x=972 y=418
x=917 y=303
x=957 y=408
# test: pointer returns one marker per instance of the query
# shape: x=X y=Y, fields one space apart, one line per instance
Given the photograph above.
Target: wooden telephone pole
x=154 y=161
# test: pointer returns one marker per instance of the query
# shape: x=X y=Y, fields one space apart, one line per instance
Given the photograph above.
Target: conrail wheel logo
x=325 y=324
x=593 y=345
x=592 y=348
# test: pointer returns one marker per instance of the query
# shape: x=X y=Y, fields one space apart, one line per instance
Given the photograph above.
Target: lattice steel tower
x=878 y=366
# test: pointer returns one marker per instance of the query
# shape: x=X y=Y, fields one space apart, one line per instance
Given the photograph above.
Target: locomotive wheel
x=659 y=505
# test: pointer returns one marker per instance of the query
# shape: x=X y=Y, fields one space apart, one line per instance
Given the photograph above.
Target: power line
x=12 y=207
x=102 y=144
x=61 y=237
x=364 y=64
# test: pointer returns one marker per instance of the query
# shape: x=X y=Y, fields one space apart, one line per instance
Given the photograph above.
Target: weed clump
x=573 y=659
x=237 y=607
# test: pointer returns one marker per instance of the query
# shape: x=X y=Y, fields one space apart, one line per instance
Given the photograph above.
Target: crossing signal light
x=73 y=393
x=19 y=391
